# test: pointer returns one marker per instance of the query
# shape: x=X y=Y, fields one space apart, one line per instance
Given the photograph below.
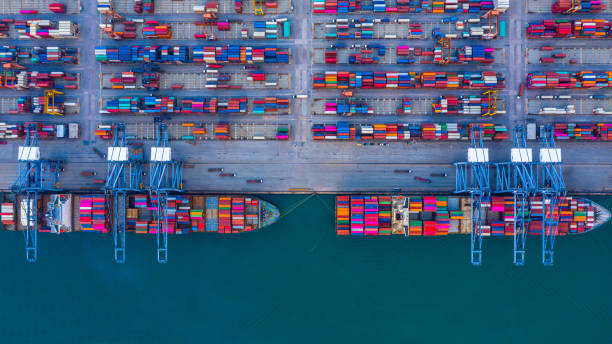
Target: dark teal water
x=297 y=282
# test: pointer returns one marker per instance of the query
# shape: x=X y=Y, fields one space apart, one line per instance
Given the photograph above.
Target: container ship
x=443 y=215
x=64 y=213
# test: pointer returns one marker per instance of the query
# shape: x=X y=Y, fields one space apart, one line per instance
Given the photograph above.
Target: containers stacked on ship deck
x=457 y=80
x=406 y=6
x=204 y=105
x=186 y=214
x=344 y=131
x=574 y=80
x=343 y=223
x=565 y=28
x=443 y=215
x=39 y=55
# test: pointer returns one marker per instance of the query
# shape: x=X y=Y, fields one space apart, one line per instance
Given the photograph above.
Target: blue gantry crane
x=518 y=176
x=473 y=177
x=34 y=176
x=123 y=176
x=165 y=177
x=551 y=185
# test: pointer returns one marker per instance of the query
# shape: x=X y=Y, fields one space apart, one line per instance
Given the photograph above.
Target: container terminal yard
x=113 y=99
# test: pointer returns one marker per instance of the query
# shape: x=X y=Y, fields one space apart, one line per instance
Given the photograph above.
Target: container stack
x=238 y=218
x=371 y=215
x=586 y=6
x=464 y=105
x=384 y=215
x=343 y=224
x=562 y=79
x=46 y=29
x=395 y=132
x=406 y=6
x=224 y=213
x=564 y=28
x=282 y=132
x=7 y=214
x=154 y=30
x=240 y=54
x=222 y=131
x=357 y=216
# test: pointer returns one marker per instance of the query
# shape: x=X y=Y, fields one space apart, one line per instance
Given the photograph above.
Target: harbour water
x=297 y=282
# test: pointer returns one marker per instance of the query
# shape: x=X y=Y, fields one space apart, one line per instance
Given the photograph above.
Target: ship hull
x=186 y=214
x=444 y=215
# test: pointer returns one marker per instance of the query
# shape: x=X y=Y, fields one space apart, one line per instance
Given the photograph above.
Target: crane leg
x=519 y=229
x=162 y=227
x=119 y=226
x=31 y=231
x=476 y=235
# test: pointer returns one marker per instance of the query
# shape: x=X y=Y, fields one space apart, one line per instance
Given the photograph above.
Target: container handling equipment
x=34 y=176
x=123 y=176
x=165 y=177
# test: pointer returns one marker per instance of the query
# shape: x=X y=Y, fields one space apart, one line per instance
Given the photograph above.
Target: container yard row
x=404 y=28
x=272 y=29
x=36 y=55
x=345 y=131
x=405 y=54
x=442 y=80
x=38 y=29
x=481 y=105
x=19 y=78
x=567 y=28
x=569 y=105
x=190 y=131
x=153 y=105
x=59 y=105
x=408 y=6
x=568 y=6
x=40 y=7
x=396 y=132
x=569 y=80
x=563 y=55
x=45 y=130
x=235 y=54
x=207 y=80
x=149 y=7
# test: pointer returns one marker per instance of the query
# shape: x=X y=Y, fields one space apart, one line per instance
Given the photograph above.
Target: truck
x=74 y=131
